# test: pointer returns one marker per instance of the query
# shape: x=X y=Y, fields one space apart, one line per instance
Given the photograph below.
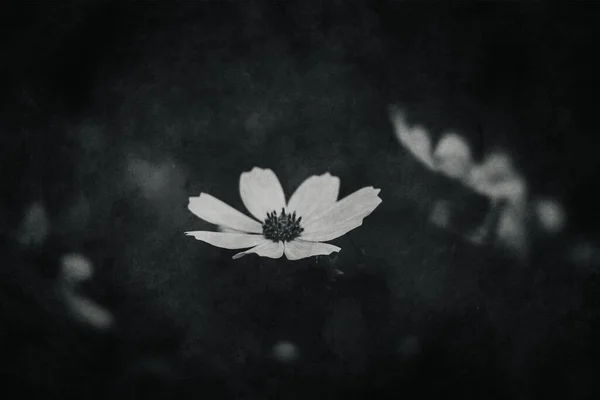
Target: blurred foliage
x=115 y=112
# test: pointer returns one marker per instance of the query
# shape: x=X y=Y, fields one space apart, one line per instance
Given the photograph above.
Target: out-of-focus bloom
x=76 y=269
x=495 y=177
x=297 y=228
x=550 y=215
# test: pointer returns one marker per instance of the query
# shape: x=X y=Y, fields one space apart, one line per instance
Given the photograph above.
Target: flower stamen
x=285 y=227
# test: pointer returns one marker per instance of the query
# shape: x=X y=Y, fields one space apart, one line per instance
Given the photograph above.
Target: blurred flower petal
x=269 y=249
x=514 y=190
x=550 y=215
x=297 y=249
x=89 y=312
x=213 y=210
x=314 y=195
x=228 y=240
x=75 y=268
x=414 y=138
x=261 y=192
x=511 y=231
x=496 y=167
x=342 y=217
x=497 y=178
x=453 y=156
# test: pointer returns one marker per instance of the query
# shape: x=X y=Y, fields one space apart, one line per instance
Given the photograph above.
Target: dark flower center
x=284 y=227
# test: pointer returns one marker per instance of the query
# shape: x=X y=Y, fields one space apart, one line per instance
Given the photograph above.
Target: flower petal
x=89 y=312
x=261 y=192
x=298 y=249
x=334 y=232
x=269 y=249
x=414 y=138
x=228 y=240
x=342 y=217
x=453 y=156
x=497 y=178
x=512 y=231
x=225 y=229
x=550 y=215
x=495 y=168
x=513 y=190
x=314 y=195
x=216 y=212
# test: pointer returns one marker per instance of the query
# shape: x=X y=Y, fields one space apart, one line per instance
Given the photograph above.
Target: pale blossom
x=75 y=270
x=495 y=177
x=296 y=228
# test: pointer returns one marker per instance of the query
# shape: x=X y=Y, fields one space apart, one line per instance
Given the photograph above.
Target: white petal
x=261 y=192
x=75 y=268
x=550 y=215
x=298 y=249
x=332 y=233
x=225 y=229
x=513 y=190
x=511 y=231
x=497 y=178
x=342 y=217
x=453 y=156
x=269 y=249
x=88 y=311
x=314 y=195
x=216 y=212
x=228 y=240
x=414 y=138
x=496 y=168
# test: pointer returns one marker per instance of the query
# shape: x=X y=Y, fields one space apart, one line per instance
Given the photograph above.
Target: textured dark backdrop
x=114 y=112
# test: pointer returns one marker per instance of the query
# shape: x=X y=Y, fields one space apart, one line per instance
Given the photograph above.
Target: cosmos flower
x=495 y=177
x=297 y=228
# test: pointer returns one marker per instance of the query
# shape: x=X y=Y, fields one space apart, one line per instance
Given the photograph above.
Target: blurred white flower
x=76 y=269
x=452 y=156
x=495 y=177
x=311 y=216
x=551 y=215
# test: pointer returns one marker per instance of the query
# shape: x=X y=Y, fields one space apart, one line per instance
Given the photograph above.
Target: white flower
x=495 y=177
x=76 y=269
x=550 y=215
x=296 y=228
